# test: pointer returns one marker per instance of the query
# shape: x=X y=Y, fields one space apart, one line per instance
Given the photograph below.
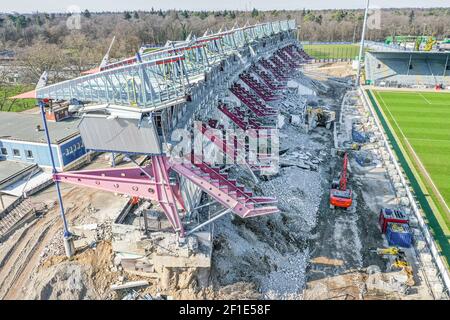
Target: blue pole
x=67 y=233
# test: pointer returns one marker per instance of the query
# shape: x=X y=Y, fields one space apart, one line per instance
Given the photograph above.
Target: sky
x=28 y=6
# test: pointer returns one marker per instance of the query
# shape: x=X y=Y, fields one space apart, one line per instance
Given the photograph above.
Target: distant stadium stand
x=408 y=69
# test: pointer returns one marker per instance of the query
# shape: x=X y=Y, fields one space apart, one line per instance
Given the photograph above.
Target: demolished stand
x=138 y=111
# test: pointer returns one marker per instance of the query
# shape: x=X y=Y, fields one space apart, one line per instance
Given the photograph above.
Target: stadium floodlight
x=361 y=48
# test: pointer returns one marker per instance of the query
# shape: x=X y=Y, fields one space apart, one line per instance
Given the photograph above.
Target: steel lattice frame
x=156 y=78
x=153 y=81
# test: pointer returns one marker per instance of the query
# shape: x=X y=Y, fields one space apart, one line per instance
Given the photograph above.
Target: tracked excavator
x=340 y=194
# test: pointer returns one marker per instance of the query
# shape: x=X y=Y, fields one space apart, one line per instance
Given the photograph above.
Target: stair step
x=250 y=205
x=203 y=174
x=232 y=194
x=215 y=183
x=264 y=200
x=262 y=211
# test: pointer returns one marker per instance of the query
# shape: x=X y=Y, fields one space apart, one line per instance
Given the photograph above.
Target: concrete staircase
x=268 y=80
x=276 y=72
x=259 y=108
x=13 y=217
x=232 y=151
x=261 y=90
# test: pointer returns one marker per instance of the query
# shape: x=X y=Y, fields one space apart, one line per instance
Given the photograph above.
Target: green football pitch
x=332 y=51
x=421 y=123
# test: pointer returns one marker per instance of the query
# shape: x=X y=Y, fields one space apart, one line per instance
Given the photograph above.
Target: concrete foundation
x=160 y=256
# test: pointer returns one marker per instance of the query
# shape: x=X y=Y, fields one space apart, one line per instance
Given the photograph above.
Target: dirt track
x=20 y=255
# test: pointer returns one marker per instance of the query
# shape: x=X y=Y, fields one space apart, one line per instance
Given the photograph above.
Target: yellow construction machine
x=429 y=45
x=320 y=117
x=403 y=265
x=390 y=251
x=399 y=263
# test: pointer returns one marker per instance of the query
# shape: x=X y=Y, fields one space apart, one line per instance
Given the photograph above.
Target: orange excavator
x=340 y=195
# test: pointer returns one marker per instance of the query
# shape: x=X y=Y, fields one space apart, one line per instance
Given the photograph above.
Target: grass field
x=7 y=104
x=332 y=51
x=421 y=122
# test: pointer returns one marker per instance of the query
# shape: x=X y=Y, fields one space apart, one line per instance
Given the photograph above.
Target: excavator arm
x=343 y=180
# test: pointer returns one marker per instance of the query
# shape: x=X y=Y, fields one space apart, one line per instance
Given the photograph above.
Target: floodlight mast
x=361 y=48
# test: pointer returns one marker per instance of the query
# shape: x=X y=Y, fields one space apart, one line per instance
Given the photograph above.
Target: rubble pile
x=272 y=251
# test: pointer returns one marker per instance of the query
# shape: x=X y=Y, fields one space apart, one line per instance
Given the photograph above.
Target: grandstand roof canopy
x=408 y=68
x=414 y=54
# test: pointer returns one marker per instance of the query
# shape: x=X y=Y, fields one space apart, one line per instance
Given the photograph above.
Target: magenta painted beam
x=132 y=182
x=132 y=173
x=141 y=188
x=165 y=195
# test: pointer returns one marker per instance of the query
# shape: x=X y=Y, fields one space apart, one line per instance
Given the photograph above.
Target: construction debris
x=129 y=285
x=201 y=228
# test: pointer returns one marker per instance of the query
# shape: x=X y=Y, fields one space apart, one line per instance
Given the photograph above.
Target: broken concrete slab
x=83 y=243
x=129 y=285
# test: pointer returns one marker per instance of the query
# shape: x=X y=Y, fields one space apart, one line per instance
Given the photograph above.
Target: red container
x=391 y=215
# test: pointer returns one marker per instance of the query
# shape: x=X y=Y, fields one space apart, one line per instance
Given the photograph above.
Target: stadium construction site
x=229 y=166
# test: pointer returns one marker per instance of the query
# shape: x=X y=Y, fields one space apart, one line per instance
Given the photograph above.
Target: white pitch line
x=424 y=98
x=419 y=162
x=435 y=140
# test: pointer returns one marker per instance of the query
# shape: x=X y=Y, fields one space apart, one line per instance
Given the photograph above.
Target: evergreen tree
x=411 y=16
x=255 y=13
x=86 y=14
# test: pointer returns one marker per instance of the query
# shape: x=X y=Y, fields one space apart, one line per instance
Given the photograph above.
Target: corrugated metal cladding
x=119 y=135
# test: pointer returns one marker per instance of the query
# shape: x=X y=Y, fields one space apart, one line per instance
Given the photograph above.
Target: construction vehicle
x=404 y=266
x=429 y=44
x=340 y=194
x=320 y=117
x=390 y=251
x=399 y=262
x=412 y=42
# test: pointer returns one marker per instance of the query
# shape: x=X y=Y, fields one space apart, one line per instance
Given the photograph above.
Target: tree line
x=42 y=41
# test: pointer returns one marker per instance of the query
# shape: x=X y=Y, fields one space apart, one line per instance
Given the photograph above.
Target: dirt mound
x=64 y=282
x=86 y=276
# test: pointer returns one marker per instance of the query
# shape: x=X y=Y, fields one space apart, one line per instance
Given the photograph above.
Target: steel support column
x=68 y=240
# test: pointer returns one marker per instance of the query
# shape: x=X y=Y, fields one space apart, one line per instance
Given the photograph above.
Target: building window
x=29 y=154
x=4 y=151
x=16 y=152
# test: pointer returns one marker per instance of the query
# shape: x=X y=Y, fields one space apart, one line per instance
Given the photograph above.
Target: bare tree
x=41 y=57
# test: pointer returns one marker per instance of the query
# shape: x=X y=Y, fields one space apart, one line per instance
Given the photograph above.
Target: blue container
x=358 y=137
x=399 y=235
